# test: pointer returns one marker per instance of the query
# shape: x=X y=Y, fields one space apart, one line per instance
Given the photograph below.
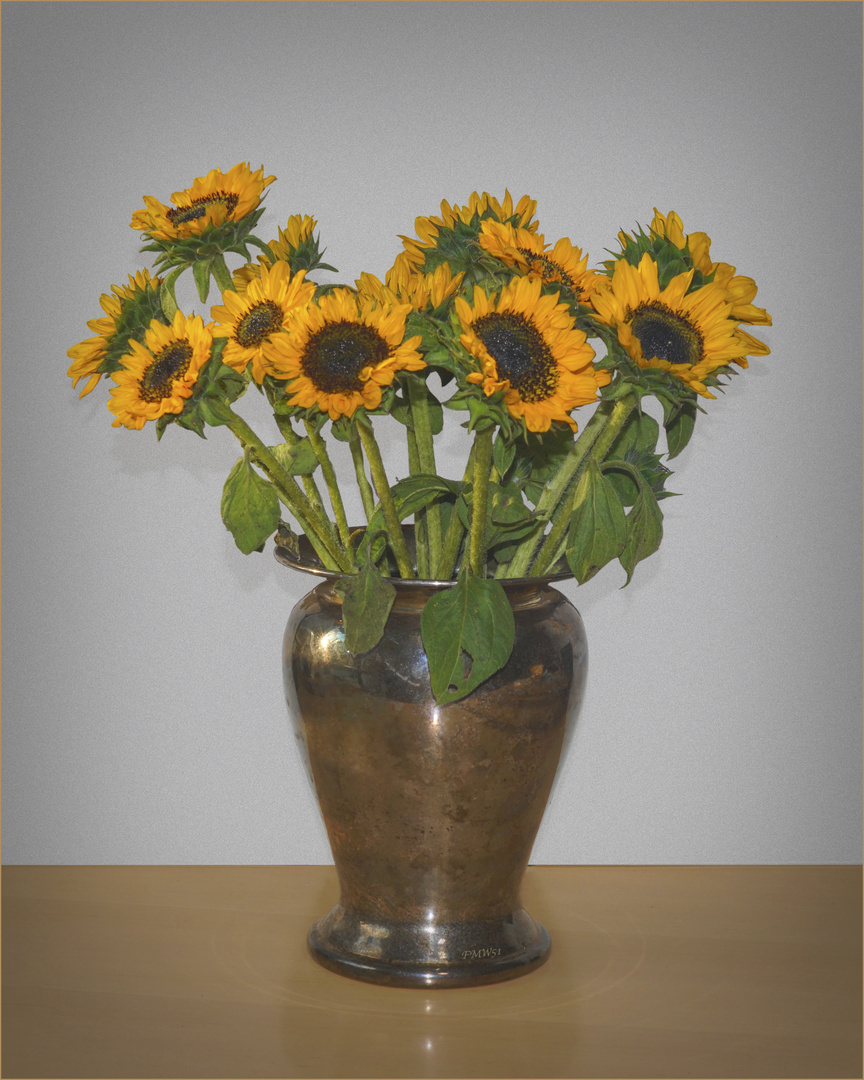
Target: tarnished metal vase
x=431 y=811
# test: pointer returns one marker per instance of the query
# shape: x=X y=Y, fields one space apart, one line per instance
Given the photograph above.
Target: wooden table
x=201 y=971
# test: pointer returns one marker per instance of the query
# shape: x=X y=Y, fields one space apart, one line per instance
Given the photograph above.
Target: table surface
x=202 y=971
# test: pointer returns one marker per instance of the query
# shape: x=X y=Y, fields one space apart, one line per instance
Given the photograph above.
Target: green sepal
x=201 y=272
x=366 y=602
x=597 y=531
x=670 y=259
x=136 y=314
x=468 y=632
x=216 y=387
x=342 y=429
x=214 y=241
x=250 y=507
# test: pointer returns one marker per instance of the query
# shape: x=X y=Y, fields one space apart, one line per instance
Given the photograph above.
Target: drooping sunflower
x=250 y=318
x=689 y=335
x=158 y=376
x=125 y=310
x=742 y=290
x=528 y=345
x=480 y=207
x=211 y=200
x=563 y=265
x=340 y=350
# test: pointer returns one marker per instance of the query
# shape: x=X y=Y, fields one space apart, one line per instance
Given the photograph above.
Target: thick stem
x=421 y=532
x=309 y=486
x=308 y=517
x=555 y=540
x=479 y=500
x=366 y=493
x=419 y=401
x=455 y=532
x=382 y=486
x=553 y=496
x=320 y=448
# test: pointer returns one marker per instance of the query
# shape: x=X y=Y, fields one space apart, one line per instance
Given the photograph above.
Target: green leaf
x=296 y=460
x=503 y=454
x=366 y=602
x=250 y=507
x=598 y=526
x=468 y=634
x=342 y=429
x=679 y=427
x=644 y=530
x=215 y=412
x=539 y=457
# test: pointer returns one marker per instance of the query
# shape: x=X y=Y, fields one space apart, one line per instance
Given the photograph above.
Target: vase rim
x=306 y=560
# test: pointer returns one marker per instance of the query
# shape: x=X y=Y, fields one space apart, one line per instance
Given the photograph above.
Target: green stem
x=418 y=397
x=382 y=486
x=599 y=448
x=553 y=496
x=455 y=532
x=309 y=486
x=320 y=448
x=311 y=521
x=479 y=500
x=360 y=471
x=421 y=532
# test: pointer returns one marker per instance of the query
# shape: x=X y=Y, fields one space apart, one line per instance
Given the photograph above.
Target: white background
x=143 y=716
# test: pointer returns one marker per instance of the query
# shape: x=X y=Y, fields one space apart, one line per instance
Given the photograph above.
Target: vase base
x=429 y=955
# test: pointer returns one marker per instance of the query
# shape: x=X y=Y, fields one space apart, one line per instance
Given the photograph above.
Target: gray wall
x=143 y=714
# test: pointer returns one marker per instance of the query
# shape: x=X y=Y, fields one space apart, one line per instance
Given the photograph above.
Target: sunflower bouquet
x=519 y=333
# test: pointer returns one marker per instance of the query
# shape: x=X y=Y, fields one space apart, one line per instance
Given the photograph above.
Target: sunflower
x=742 y=290
x=563 y=265
x=340 y=350
x=122 y=312
x=158 y=376
x=480 y=207
x=248 y=319
x=404 y=285
x=528 y=345
x=211 y=200
x=295 y=241
x=689 y=335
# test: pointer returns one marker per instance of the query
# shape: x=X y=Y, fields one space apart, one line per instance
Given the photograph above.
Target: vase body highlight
x=431 y=811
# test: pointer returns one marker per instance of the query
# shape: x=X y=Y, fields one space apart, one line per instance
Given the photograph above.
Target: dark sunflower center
x=198 y=207
x=665 y=335
x=171 y=363
x=547 y=269
x=520 y=353
x=258 y=323
x=336 y=354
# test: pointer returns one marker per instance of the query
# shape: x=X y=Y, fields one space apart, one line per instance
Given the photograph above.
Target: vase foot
x=429 y=955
